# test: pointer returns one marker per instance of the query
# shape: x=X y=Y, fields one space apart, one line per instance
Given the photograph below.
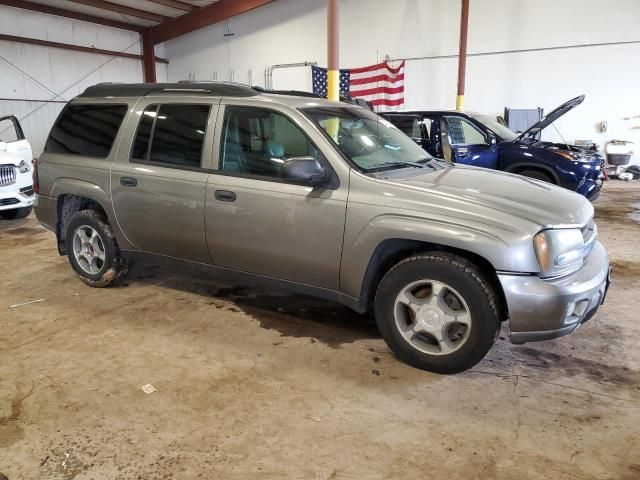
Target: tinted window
x=87 y=130
x=258 y=141
x=175 y=132
x=141 y=145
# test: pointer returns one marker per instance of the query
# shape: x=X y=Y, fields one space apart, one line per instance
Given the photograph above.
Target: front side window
x=171 y=134
x=463 y=132
x=366 y=139
x=257 y=141
x=87 y=130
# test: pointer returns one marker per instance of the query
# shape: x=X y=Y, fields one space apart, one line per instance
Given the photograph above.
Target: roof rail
x=295 y=93
x=218 y=89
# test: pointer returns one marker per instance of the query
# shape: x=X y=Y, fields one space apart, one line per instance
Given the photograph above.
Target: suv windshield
x=369 y=141
x=504 y=133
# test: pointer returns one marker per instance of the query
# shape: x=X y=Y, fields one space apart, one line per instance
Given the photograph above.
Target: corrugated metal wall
x=29 y=72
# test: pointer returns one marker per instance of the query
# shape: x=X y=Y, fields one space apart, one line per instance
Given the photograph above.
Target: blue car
x=479 y=140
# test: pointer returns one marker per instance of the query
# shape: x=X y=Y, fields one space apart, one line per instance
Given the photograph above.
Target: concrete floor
x=256 y=384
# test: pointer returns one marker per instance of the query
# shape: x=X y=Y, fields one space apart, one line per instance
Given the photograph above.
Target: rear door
x=469 y=144
x=159 y=178
x=12 y=136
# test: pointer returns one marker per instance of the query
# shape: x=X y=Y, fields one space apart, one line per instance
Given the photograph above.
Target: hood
x=498 y=197
x=8 y=158
x=551 y=117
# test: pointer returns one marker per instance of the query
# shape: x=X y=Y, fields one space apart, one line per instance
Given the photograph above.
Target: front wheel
x=437 y=312
x=537 y=175
x=92 y=249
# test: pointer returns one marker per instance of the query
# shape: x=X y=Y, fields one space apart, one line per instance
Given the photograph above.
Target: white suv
x=16 y=183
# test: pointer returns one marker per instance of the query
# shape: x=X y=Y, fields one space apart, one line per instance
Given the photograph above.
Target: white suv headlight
x=24 y=167
x=560 y=252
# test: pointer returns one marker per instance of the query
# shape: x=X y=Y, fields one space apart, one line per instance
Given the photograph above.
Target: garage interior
x=168 y=374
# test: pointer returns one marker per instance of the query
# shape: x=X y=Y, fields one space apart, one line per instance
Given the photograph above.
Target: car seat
x=234 y=159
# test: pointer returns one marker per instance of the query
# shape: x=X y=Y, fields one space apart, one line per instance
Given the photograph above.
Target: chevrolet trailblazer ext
x=322 y=198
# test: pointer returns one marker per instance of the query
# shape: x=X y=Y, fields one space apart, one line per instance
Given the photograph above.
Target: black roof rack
x=218 y=89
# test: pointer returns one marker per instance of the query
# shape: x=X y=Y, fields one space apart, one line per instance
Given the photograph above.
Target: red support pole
x=149 y=58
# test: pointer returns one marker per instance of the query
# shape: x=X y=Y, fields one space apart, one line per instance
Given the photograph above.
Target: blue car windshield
x=504 y=133
x=369 y=141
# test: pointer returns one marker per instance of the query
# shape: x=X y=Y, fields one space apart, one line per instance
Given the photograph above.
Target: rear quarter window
x=86 y=130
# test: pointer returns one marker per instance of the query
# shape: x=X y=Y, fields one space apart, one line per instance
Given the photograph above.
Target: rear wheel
x=537 y=174
x=92 y=249
x=437 y=312
x=16 y=213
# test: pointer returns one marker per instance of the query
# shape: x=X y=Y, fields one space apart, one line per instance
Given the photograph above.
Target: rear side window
x=87 y=130
x=171 y=134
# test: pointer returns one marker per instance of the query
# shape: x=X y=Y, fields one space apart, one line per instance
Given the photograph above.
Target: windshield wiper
x=400 y=162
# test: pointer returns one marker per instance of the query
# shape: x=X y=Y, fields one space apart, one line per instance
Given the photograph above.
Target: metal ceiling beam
x=187 y=7
x=203 y=17
x=117 y=8
x=77 y=48
x=37 y=7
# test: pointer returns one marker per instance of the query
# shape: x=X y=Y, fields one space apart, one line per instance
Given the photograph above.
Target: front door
x=256 y=222
x=158 y=184
x=469 y=145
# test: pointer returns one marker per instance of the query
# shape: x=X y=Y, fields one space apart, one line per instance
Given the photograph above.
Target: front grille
x=28 y=191
x=7 y=175
x=8 y=201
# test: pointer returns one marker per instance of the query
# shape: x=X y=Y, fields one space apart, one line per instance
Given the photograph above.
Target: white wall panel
x=295 y=30
x=58 y=69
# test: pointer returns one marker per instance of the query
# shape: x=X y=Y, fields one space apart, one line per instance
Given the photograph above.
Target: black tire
x=113 y=266
x=537 y=175
x=16 y=213
x=473 y=287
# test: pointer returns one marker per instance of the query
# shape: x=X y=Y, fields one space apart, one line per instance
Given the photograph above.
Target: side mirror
x=305 y=171
x=491 y=139
x=3 y=146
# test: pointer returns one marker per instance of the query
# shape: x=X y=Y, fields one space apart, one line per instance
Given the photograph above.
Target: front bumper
x=544 y=309
x=17 y=195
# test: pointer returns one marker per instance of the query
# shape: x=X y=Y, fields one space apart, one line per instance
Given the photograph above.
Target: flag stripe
x=376 y=79
x=395 y=96
x=378 y=66
x=376 y=90
x=375 y=73
x=387 y=102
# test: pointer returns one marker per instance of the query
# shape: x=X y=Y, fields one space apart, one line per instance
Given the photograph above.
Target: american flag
x=380 y=84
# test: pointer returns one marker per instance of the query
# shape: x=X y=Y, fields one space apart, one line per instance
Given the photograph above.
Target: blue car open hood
x=551 y=117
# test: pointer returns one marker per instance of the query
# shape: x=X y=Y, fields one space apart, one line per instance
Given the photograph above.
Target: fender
x=91 y=191
x=534 y=166
x=512 y=253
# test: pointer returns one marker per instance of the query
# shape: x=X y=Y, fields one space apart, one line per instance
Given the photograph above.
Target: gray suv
x=325 y=199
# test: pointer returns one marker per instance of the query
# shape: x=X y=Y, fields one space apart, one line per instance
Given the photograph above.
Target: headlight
x=24 y=167
x=574 y=157
x=560 y=252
